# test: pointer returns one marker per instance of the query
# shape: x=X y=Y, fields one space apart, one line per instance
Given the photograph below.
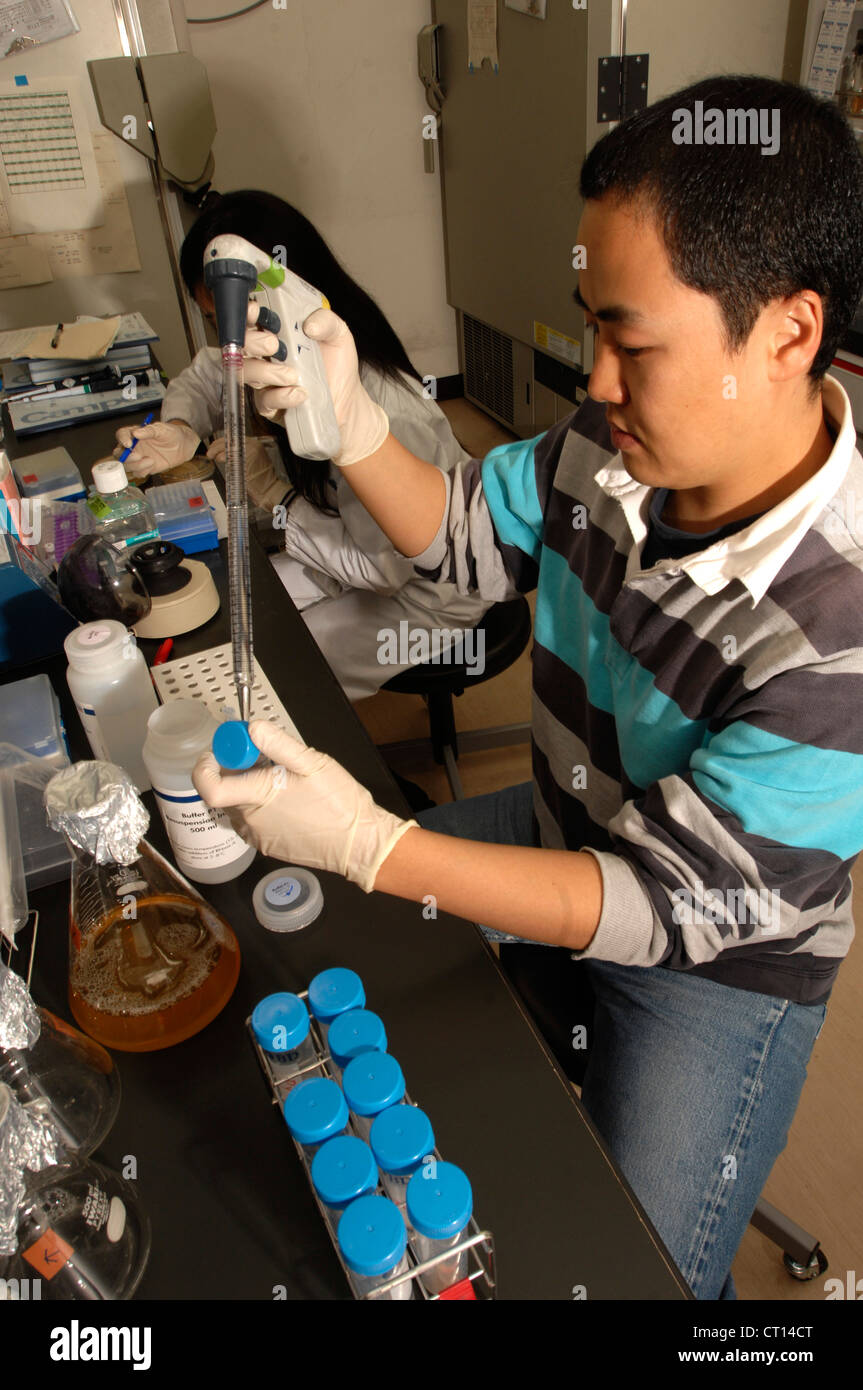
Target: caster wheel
x=817 y=1265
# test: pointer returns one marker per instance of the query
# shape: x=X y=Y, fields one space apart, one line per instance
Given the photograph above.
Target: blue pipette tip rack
x=233 y=748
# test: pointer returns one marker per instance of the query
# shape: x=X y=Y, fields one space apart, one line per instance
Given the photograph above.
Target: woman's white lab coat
x=352 y=587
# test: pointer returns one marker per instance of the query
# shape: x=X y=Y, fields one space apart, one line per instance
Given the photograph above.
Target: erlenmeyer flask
x=80 y=1229
x=150 y=962
x=67 y=1076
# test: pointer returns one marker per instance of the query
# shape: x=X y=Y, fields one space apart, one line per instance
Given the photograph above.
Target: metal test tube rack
x=478 y=1244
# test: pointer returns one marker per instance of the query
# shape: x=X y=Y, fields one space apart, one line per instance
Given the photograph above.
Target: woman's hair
x=278 y=229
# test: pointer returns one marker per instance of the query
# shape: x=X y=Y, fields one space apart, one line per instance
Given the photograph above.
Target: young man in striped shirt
x=697 y=794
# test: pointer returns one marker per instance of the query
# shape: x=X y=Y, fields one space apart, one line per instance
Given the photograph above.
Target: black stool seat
x=507 y=632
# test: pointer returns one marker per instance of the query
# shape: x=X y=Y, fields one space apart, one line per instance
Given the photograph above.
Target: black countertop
x=232 y=1214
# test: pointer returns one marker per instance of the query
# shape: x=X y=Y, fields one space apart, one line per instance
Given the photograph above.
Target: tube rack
x=478 y=1244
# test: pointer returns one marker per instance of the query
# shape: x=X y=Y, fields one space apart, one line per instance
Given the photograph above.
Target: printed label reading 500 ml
x=203 y=837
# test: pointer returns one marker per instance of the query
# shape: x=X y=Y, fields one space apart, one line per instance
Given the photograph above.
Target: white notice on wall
x=482 y=34
x=48 y=176
x=26 y=23
x=826 y=62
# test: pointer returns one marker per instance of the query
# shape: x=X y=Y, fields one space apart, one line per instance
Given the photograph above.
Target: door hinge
x=621 y=86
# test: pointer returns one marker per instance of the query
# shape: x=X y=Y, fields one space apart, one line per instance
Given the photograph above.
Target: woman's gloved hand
x=278 y=387
x=160 y=446
x=264 y=483
x=303 y=809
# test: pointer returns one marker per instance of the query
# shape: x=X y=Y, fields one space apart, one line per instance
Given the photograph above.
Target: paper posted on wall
x=48 y=175
x=830 y=44
x=482 y=33
x=27 y=23
x=60 y=255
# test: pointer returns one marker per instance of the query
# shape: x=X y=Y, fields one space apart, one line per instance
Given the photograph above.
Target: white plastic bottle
x=206 y=846
x=113 y=693
x=123 y=514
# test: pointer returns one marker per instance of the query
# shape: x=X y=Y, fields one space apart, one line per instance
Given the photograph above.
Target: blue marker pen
x=126 y=452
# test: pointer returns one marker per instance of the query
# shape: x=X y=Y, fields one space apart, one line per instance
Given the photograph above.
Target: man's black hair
x=745 y=227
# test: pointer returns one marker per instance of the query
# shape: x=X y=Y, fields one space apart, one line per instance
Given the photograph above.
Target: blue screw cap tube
x=343 y=1170
x=373 y=1240
x=280 y=1023
x=314 y=1112
x=333 y=992
x=353 y=1033
x=439 y=1207
x=401 y=1139
x=233 y=748
x=372 y=1082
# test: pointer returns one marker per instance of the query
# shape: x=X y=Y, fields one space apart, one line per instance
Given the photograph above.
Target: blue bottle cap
x=343 y=1169
x=357 y=1031
x=372 y=1236
x=315 y=1110
x=233 y=748
x=401 y=1137
x=442 y=1205
x=373 y=1081
x=280 y=1022
x=334 y=992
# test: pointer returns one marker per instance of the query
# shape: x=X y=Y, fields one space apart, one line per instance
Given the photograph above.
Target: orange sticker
x=49 y=1254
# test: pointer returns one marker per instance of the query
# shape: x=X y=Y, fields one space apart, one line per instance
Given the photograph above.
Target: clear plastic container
x=113 y=693
x=372 y=1082
x=333 y=992
x=183 y=515
x=287 y=899
x=30 y=719
x=373 y=1243
x=44 y=855
x=343 y=1170
x=352 y=1034
x=280 y=1023
x=439 y=1207
x=206 y=846
x=123 y=514
x=402 y=1140
x=315 y=1113
x=67 y=1077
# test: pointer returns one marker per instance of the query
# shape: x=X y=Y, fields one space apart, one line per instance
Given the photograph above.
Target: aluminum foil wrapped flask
x=150 y=962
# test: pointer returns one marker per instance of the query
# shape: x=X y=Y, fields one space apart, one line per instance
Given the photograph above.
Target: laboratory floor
x=816 y=1180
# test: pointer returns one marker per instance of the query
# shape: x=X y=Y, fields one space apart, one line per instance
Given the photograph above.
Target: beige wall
x=150 y=290
x=321 y=104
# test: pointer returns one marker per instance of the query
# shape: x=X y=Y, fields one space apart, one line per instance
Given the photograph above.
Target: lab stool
x=557 y=994
x=507 y=632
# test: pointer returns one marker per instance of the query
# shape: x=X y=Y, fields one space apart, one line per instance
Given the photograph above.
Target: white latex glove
x=278 y=387
x=304 y=808
x=264 y=484
x=160 y=446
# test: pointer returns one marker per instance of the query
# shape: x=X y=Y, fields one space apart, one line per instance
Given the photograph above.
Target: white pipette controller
x=286 y=302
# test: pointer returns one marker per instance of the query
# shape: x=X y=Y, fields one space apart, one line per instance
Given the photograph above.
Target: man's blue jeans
x=693 y=1085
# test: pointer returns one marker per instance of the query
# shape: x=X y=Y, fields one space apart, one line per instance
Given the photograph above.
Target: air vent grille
x=488 y=371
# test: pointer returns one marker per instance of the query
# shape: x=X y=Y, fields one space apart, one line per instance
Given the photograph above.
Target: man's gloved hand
x=303 y=809
x=160 y=446
x=278 y=387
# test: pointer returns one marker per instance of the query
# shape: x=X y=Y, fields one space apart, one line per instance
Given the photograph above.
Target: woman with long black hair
x=352 y=588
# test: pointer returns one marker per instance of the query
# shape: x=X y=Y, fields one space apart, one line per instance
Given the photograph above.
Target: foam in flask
x=150 y=962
